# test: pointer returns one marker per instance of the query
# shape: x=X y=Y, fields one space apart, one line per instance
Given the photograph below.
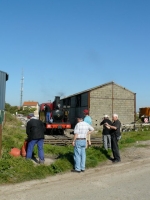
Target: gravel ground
x=129 y=179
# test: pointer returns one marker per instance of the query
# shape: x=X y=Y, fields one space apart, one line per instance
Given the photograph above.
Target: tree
x=11 y=109
x=26 y=110
x=7 y=106
x=14 y=109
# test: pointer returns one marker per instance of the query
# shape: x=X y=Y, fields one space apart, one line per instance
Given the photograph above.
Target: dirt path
x=129 y=179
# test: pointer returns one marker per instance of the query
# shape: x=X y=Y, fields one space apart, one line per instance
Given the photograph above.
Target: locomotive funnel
x=57 y=102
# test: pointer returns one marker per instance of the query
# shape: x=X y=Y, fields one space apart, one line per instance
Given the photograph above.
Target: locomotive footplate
x=58 y=126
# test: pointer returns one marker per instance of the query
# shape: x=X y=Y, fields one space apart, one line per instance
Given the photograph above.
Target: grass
x=128 y=138
x=18 y=169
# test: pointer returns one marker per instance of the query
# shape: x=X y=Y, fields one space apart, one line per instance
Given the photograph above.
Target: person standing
x=88 y=120
x=79 y=142
x=35 y=131
x=47 y=113
x=106 y=132
x=115 y=136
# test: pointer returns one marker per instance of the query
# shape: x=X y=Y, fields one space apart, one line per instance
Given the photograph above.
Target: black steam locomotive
x=59 y=117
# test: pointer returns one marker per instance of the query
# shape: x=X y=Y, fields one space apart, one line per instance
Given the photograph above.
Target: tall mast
x=21 y=90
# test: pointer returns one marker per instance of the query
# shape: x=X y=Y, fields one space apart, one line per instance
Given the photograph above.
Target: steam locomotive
x=59 y=117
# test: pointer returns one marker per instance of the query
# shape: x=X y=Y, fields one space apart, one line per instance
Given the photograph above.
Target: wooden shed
x=3 y=79
x=108 y=98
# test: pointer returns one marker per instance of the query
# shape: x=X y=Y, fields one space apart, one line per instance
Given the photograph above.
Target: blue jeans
x=30 y=148
x=48 y=114
x=79 y=154
x=107 y=141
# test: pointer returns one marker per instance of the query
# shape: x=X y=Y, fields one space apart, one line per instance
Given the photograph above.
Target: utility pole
x=0 y=134
x=21 y=91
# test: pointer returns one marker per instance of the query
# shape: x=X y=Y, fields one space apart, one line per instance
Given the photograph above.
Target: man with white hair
x=115 y=135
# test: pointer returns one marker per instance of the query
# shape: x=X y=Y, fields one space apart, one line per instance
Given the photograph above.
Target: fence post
x=0 y=133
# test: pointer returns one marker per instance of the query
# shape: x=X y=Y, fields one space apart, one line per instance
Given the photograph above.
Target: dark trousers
x=114 y=147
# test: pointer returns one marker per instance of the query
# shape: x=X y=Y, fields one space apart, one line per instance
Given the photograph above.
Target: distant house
x=32 y=104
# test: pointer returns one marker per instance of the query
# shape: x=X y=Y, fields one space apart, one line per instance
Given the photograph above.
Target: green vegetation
x=129 y=138
x=14 y=109
x=18 y=169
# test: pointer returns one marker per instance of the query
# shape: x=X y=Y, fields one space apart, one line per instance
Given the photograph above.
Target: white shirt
x=82 y=128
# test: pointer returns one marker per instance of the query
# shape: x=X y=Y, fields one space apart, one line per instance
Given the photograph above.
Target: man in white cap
x=106 y=132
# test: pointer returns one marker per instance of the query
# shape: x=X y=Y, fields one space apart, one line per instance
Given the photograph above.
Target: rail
x=64 y=141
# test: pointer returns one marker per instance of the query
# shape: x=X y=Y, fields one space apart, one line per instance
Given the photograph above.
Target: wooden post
x=0 y=135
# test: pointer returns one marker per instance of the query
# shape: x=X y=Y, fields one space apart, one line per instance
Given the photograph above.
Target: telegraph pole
x=0 y=135
x=21 y=90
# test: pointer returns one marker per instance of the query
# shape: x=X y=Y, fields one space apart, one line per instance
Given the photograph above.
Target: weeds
x=19 y=169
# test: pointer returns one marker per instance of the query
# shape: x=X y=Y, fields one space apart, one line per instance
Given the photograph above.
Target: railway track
x=64 y=140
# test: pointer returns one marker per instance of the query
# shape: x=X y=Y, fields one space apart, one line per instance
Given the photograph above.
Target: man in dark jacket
x=47 y=113
x=106 y=132
x=115 y=136
x=35 y=131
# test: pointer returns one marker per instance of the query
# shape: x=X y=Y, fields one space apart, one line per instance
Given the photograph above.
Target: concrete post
x=0 y=134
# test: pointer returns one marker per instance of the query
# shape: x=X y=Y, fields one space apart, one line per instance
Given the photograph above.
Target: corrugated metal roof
x=7 y=76
x=30 y=103
x=99 y=86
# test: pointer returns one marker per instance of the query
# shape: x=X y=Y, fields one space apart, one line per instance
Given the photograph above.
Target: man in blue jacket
x=88 y=120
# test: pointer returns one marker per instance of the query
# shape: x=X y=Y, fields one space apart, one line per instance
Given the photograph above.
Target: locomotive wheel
x=59 y=132
x=54 y=132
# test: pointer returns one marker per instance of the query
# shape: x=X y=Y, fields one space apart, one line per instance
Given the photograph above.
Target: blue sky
x=67 y=46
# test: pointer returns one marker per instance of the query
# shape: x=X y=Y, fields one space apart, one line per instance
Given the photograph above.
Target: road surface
x=129 y=179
